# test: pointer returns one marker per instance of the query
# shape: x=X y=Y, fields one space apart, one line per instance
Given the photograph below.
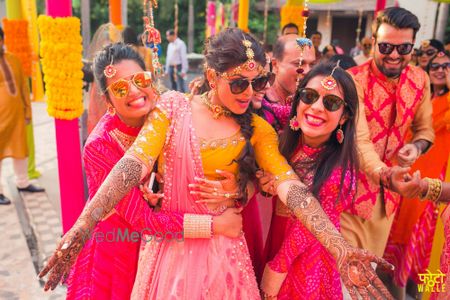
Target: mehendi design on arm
x=123 y=177
x=308 y=210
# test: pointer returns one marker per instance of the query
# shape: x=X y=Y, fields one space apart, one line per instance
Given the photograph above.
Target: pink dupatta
x=217 y=268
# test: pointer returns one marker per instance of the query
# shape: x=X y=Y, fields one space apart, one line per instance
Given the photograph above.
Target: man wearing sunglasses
x=396 y=97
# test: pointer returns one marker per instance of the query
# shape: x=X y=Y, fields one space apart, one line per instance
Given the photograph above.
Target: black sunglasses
x=429 y=52
x=402 y=49
x=436 y=66
x=330 y=102
x=237 y=86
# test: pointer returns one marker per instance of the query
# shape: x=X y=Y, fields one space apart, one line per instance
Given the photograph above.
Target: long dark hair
x=334 y=154
x=115 y=53
x=428 y=71
x=223 y=52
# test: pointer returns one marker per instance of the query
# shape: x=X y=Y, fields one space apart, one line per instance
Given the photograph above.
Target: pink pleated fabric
x=217 y=268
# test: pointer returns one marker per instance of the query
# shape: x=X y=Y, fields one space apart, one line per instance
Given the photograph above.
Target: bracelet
x=434 y=189
x=197 y=226
x=385 y=177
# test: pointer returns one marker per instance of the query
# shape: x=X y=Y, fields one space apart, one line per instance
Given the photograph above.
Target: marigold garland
x=17 y=42
x=61 y=55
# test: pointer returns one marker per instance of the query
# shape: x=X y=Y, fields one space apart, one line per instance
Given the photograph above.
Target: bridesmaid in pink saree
x=198 y=136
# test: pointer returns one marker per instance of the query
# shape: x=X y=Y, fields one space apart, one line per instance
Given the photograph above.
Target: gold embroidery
x=221 y=143
x=124 y=140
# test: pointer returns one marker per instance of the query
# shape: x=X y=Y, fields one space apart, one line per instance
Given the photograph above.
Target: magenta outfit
x=107 y=265
x=312 y=271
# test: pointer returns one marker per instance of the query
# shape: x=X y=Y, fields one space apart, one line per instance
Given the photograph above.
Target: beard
x=391 y=72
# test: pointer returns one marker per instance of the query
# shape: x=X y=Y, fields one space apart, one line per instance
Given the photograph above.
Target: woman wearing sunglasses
x=427 y=50
x=414 y=226
x=320 y=145
x=107 y=265
x=215 y=130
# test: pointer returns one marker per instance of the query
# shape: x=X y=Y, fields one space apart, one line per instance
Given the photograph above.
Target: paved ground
x=30 y=226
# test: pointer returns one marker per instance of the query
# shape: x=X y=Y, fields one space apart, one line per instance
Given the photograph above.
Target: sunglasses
x=402 y=49
x=310 y=96
x=121 y=87
x=237 y=86
x=436 y=66
x=429 y=52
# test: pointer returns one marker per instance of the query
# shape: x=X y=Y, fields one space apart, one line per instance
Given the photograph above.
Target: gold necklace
x=217 y=110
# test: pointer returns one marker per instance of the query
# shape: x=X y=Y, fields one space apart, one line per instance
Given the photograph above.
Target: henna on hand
x=122 y=178
x=354 y=264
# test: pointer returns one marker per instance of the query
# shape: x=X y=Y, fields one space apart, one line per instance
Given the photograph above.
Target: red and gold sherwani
x=392 y=107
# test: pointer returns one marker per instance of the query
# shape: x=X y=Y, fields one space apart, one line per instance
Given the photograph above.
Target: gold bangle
x=434 y=189
x=197 y=226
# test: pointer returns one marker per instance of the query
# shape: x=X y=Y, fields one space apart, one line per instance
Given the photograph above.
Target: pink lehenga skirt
x=226 y=271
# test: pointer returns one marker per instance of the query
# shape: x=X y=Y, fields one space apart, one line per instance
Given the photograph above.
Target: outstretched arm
x=125 y=175
x=353 y=264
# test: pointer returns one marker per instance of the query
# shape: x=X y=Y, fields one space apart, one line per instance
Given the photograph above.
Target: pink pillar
x=68 y=147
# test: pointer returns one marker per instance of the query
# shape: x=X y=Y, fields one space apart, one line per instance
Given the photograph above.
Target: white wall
x=2 y=10
x=425 y=10
x=324 y=28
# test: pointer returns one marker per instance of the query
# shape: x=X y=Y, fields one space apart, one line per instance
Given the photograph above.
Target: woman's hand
x=221 y=191
x=266 y=182
x=229 y=223
x=147 y=193
x=358 y=275
x=271 y=283
x=65 y=255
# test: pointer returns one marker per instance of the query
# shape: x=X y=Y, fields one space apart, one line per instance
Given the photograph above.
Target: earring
x=111 y=110
x=294 y=124
x=213 y=87
x=340 y=135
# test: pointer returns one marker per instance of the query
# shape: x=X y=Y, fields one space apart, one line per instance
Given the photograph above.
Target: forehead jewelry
x=329 y=82
x=440 y=54
x=249 y=65
x=302 y=43
x=110 y=71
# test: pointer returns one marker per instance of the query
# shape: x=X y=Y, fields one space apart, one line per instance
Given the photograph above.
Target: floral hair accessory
x=425 y=43
x=329 y=82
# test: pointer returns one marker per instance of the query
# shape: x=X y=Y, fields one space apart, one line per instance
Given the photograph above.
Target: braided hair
x=223 y=52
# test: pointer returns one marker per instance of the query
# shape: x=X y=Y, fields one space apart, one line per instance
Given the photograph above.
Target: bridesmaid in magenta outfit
x=320 y=145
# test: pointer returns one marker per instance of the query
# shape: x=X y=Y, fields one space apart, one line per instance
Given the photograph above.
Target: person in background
x=345 y=61
x=390 y=115
x=15 y=113
x=176 y=61
x=427 y=50
x=289 y=28
x=415 y=223
x=328 y=52
x=316 y=39
x=366 y=45
x=130 y=37
x=414 y=58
